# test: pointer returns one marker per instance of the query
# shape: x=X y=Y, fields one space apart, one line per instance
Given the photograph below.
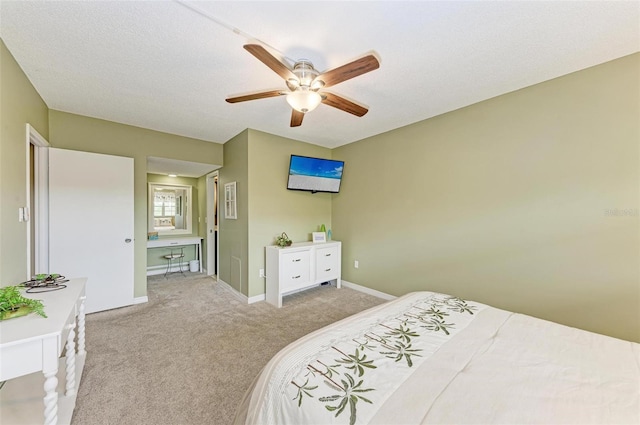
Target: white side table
x=34 y=344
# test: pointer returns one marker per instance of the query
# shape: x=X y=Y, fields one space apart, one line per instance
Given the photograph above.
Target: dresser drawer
x=295 y=272
x=327 y=263
x=294 y=261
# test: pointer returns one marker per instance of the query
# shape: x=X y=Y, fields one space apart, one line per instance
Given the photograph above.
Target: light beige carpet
x=189 y=354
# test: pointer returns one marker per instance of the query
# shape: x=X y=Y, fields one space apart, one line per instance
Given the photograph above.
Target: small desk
x=33 y=343
x=172 y=242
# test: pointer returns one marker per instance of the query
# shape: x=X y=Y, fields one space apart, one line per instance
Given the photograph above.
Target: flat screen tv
x=314 y=174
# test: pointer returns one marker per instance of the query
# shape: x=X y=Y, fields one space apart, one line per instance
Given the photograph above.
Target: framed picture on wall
x=230 y=208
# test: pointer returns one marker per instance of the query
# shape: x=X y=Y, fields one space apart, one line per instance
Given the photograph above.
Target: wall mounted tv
x=314 y=174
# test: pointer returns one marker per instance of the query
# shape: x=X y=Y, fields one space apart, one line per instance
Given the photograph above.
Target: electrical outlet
x=261 y=272
x=356 y=264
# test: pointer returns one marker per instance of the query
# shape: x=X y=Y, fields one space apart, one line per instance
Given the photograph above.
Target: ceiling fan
x=304 y=83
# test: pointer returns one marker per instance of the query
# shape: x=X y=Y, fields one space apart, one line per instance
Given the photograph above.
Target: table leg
x=50 y=398
x=81 y=332
x=70 y=385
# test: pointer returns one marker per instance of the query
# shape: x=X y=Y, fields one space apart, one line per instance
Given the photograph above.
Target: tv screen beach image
x=315 y=174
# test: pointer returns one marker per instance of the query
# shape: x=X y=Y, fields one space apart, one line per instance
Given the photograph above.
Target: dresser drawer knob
x=327 y=270
x=297 y=259
x=296 y=277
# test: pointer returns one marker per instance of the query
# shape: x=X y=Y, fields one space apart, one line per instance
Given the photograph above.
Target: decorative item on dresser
x=301 y=266
x=319 y=237
x=283 y=240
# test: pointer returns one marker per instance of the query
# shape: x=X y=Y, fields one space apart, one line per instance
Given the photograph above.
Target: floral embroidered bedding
x=432 y=358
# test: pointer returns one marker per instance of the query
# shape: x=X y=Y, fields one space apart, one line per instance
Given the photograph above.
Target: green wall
x=259 y=162
x=76 y=132
x=514 y=201
x=272 y=208
x=19 y=104
x=233 y=256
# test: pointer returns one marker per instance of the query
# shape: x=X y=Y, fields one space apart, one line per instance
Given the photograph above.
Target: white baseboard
x=151 y=272
x=240 y=295
x=346 y=284
x=366 y=290
x=256 y=298
x=161 y=269
x=141 y=300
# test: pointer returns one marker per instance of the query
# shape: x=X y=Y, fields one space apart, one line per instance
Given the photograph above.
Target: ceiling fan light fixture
x=304 y=82
x=317 y=84
x=304 y=100
x=306 y=73
x=293 y=84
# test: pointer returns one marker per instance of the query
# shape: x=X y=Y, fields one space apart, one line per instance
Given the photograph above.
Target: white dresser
x=301 y=266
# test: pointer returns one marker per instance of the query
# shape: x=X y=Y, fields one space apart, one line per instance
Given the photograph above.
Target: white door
x=91 y=224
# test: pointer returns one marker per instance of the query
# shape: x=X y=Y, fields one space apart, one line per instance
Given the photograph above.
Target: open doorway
x=212 y=224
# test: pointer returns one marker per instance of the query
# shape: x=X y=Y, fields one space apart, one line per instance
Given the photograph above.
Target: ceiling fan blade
x=254 y=96
x=352 y=69
x=296 y=118
x=343 y=104
x=271 y=61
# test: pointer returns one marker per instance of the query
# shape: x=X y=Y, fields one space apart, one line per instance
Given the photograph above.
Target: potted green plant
x=13 y=304
x=283 y=240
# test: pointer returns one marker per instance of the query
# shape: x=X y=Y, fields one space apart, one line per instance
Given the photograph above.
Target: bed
x=432 y=358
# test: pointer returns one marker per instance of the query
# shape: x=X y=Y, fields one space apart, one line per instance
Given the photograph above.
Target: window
x=164 y=203
x=230 y=209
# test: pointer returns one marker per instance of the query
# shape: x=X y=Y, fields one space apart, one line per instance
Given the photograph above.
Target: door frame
x=40 y=210
x=212 y=260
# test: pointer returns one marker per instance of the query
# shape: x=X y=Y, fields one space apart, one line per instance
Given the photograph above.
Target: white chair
x=177 y=254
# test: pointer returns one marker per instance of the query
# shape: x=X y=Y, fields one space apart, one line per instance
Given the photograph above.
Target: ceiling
x=169 y=65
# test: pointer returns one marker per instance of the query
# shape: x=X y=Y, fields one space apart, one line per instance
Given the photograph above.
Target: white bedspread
x=430 y=358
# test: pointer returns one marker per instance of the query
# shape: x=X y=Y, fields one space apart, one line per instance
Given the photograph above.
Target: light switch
x=23 y=214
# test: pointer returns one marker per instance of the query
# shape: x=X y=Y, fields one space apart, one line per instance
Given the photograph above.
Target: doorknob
x=127 y=240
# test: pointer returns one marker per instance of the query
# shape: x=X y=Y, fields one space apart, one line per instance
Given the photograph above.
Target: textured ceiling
x=165 y=66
